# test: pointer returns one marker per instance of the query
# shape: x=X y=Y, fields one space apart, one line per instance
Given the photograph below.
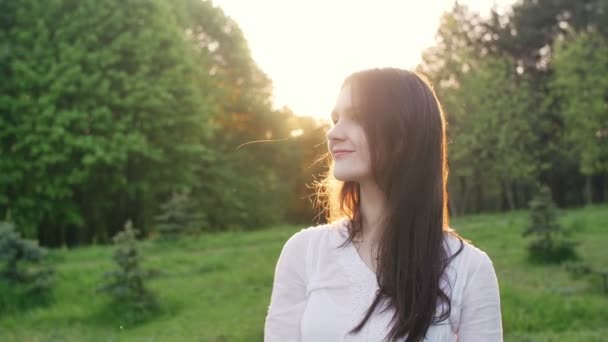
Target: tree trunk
x=598 y=186
x=479 y=193
x=465 y=195
x=588 y=190
x=509 y=194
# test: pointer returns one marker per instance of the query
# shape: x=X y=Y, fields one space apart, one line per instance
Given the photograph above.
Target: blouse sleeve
x=480 y=317
x=288 y=298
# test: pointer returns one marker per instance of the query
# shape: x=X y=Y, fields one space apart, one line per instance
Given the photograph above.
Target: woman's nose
x=335 y=133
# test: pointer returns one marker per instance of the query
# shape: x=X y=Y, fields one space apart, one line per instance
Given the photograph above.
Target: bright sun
x=308 y=47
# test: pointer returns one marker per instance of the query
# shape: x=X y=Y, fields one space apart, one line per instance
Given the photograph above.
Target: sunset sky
x=308 y=47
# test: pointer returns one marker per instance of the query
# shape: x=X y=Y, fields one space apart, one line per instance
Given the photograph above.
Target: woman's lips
x=342 y=154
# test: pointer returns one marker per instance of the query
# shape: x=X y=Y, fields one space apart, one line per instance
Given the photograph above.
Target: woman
x=387 y=266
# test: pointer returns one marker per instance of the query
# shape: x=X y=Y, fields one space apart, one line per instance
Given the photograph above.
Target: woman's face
x=347 y=141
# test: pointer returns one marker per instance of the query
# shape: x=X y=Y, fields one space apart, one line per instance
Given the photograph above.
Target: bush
x=127 y=284
x=551 y=243
x=579 y=270
x=23 y=277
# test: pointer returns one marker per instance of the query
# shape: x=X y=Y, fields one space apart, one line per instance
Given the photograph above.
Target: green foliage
x=16 y=254
x=579 y=269
x=495 y=136
x=508 y=124
x=551 y=243
x=126 y=285
x=24 y=278
x=582 y=89
x=491 y=113
x=106 y=107
x=243 y=179
x=180 y=215
x=104 y=112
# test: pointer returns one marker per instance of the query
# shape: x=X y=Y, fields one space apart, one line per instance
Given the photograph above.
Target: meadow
x=216 y=287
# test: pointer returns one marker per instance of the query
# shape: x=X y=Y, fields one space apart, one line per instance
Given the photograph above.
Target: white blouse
x=320 y=292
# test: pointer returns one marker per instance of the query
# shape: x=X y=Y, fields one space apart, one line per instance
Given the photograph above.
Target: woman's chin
x=345 y=177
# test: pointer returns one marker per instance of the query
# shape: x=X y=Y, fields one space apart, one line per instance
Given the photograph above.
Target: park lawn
x=216 y=287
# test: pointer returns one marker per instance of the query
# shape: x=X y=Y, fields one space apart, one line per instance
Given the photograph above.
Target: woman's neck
x=372 y=206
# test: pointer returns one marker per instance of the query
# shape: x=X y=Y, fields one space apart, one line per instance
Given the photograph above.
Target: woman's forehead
x=345 y=101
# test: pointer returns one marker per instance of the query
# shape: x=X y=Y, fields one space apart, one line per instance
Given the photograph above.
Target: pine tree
x=15 y=253
x=127 y=283
x=179 y=215
x=551 y=243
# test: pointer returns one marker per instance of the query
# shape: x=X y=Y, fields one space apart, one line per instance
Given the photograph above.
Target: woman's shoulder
x=464 y=251
x=473 y=290
x=318 y=234
x=467 y=259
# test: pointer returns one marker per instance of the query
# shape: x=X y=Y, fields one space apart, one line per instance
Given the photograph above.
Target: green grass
x=217 y=287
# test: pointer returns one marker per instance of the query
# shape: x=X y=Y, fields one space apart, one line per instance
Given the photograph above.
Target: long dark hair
x=405 y=128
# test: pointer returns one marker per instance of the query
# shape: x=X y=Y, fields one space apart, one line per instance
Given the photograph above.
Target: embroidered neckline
x=353 y=250
x=362 y=279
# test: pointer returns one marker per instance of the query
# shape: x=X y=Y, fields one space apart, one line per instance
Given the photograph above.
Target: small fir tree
x=127 y=284
x=551 y=243
x=22 y=261
x=179 y=215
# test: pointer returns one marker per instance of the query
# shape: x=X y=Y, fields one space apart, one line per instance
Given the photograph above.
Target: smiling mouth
x=342 y=154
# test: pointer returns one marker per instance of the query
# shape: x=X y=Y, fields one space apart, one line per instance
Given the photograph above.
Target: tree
x=551 y=243
x=104 y=116
x=15 y=251
x=505 y=65
x=23 y=270
x=243 y=177
x=126 y=285
x=527 y=34
x=490 y=113
x=180 y=215
x=492 y=132
x=583 y=90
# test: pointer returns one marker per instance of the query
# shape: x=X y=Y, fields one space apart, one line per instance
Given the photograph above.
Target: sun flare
x=308 y=47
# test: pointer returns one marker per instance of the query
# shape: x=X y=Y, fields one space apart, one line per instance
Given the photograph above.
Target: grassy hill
x=217 y=287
